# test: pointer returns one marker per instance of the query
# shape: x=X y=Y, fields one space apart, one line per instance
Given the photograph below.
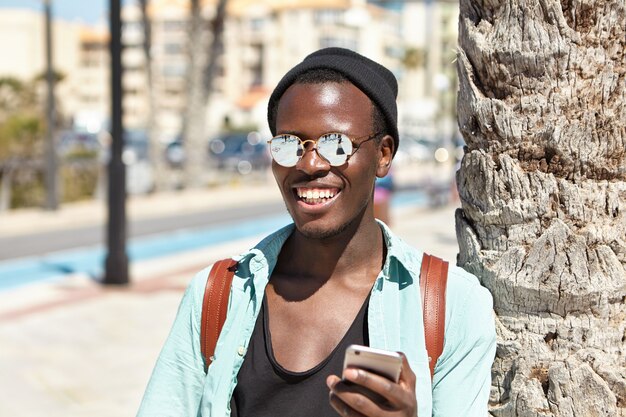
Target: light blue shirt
x=460 y=388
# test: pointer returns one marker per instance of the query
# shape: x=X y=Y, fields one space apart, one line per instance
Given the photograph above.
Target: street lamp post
x=116 y=264
x=51 y=176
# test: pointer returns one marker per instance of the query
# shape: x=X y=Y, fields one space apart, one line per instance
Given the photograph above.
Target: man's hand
x=347 y=396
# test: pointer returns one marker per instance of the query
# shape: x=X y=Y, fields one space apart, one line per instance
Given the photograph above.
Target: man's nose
x=311 y=162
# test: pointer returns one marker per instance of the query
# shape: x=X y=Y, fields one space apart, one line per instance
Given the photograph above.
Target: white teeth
x=315 y=196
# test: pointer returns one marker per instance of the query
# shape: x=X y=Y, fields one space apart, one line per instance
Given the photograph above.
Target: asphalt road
x=42 y=243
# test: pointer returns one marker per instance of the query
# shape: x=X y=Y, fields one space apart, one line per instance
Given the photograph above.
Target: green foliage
x=21 y=122
x=15 y=97
x=79 y=180
x=21 y=136
x=28 y=189
x=57 y=76
x=414 y=58
x=80 y=153
x=22 y=139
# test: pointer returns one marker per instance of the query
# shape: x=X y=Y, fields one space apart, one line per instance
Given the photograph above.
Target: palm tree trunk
x=201 y=73
x=156 y=149
x=217 y=30
x=6 y=183
x=193 y=122
x=542 y=108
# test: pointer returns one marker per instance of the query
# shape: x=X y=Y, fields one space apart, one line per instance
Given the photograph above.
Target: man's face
x=324 y=200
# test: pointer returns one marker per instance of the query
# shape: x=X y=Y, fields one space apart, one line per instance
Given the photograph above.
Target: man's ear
x=386 y=149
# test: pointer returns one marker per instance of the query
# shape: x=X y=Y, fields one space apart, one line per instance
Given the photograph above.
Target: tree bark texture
x=195 y=144
x=542 y=108
x=157 y=151
x=202 y=71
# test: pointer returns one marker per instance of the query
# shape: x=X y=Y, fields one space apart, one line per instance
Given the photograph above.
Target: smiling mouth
x=314 y=196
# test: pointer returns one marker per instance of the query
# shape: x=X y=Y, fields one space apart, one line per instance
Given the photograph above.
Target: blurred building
x=262 y=40
x=428 y=79
x=91 y=95
x=22 y=42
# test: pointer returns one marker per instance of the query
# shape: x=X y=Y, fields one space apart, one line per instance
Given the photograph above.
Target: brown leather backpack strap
x=433 y=279
x=215 y=305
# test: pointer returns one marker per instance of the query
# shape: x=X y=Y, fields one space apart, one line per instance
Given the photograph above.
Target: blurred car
x=175 y=153
x=136 y=147
x=239 y=152
x=136 y=157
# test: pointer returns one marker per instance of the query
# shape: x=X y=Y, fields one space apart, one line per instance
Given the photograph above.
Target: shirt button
x=241 y=351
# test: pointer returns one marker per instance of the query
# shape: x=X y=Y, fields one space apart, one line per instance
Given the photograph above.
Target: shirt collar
x=399 y=253
x=265 y=253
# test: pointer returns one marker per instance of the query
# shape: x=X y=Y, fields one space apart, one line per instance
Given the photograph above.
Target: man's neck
x=357 y=251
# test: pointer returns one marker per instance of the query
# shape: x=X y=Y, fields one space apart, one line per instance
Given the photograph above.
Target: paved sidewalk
x=92 y=212
x=74 y=348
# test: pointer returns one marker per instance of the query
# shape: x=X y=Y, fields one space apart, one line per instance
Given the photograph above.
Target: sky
x=87 y=11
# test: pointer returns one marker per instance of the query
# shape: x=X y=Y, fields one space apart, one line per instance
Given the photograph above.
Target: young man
x=334 y=277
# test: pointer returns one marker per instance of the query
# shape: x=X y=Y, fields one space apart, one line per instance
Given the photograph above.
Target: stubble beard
x=318 y=233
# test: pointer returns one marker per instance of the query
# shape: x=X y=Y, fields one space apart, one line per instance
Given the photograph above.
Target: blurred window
x=394 y=51
x=173 y=48
x=175 y=70
x=174 y=25
x=257 y=23
x=132 y=26
x=328 y=16
x=330 y=41
x=134 y=68
x=93 y=46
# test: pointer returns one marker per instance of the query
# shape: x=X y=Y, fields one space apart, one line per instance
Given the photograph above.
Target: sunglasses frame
x=355 y=146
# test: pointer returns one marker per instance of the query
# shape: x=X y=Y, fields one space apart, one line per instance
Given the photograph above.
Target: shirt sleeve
x=177 y=382
x=462 y=380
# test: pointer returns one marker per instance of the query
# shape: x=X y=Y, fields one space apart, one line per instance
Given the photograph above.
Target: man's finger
x=407 y=376
x=346 y=403
x=392 y=392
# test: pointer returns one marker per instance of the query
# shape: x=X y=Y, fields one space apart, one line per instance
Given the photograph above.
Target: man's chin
x=320 y=231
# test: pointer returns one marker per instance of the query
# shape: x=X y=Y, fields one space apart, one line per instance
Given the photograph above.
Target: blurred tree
x=14 y=95
x=57 y=75
x=200 y=81
x=414 y=58
x=21 y=134
x=156 y=147
x=542 y=107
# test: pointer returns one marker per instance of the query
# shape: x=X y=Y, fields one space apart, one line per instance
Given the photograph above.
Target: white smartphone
x=378 y=361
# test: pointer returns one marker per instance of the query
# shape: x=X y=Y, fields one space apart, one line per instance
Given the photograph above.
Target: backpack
x=433 y=278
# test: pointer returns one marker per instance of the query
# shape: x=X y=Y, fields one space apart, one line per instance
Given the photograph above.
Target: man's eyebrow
x=288 y=132
x=303 y=136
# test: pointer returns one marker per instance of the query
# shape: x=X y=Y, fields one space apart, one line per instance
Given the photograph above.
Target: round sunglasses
x=334 y=148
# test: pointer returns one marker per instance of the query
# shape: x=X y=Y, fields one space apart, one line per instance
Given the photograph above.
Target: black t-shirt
x=265 y=389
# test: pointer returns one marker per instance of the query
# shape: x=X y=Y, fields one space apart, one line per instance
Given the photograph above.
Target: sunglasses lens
x=335 y=148
x=284 y=150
